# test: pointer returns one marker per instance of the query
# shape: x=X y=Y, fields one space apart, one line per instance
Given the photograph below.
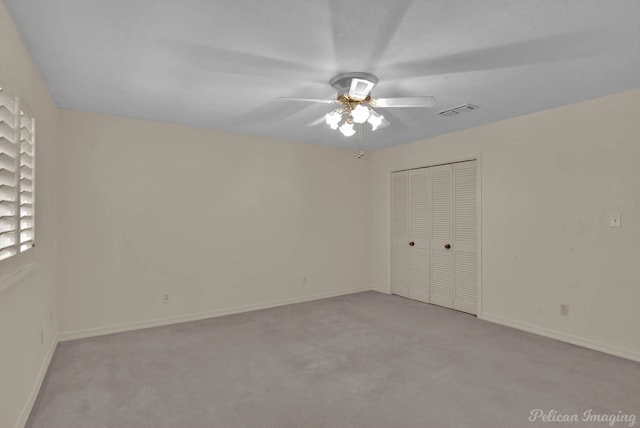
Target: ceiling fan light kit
x=354 y=94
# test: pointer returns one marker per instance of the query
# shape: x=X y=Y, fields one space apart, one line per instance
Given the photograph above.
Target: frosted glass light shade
x=375 y=120
x=347 y=129
x=360 y=114
x=333 y=119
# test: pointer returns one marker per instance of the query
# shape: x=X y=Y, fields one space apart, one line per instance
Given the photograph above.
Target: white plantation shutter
x=8 y=174
x=27 y=152
x=16 y=177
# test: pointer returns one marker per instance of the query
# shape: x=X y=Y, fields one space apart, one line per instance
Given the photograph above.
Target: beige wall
x=549 y=183
x=221 y=221
x=28 y=306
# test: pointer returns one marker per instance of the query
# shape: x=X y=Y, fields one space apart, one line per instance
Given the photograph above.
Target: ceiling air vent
x=457 y=110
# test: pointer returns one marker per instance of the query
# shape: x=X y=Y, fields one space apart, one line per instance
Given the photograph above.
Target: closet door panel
x=400 y=256
x=465 y=245
x=419 y=233
x=441 y=279
x=400 y=259
x=441 y=229
x=466 y=282
x=419 y=285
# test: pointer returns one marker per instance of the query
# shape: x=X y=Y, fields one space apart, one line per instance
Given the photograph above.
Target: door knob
x=447 y=246
x=411 y=244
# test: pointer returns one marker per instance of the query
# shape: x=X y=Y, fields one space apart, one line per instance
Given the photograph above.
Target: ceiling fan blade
x=310 y=100
x=357 y=46
x=316 y=122
x=220 y=60
x=392 y=16
x=528 y=52
x=404 y=102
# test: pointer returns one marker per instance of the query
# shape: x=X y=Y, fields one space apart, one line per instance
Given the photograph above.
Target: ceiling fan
x=357 y=105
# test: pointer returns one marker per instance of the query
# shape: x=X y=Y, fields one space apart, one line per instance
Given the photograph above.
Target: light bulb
x=375 y=120
x=347 y=129
x=360 y=113
x=333 y=119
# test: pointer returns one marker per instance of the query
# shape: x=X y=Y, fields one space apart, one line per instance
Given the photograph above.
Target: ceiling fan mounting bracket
x=350 y=102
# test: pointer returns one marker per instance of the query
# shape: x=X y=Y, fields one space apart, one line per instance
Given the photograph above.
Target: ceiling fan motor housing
x=363 y=84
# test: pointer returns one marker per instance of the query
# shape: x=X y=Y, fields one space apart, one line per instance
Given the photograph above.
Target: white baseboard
x=564 y=337
x=26 y=410
x=119 y=328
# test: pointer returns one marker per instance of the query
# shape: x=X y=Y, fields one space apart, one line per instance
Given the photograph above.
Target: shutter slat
x=7 y=161
x=26 y=148
x=7 y=101
x=6 y=177
x=7 y=145
x=6 y=227
x=4 y=247
x=6 y=253
x=6 y=116
x=26 y=245
x=7 y=132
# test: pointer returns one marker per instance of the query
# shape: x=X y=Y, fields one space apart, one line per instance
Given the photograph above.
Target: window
x=17 y=156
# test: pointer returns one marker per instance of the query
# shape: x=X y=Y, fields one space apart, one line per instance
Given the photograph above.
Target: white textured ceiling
x=223 y=64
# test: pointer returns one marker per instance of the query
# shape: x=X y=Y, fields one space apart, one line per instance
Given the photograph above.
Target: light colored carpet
x=363 y=360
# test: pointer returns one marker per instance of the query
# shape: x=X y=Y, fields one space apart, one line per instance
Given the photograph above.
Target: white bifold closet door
x=434 y=235
x=410 y=246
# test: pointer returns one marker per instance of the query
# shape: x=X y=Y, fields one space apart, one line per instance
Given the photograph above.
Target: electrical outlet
x=564 y=310
x=165 y=297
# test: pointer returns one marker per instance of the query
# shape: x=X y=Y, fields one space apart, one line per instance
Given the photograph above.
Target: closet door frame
x=436 y=162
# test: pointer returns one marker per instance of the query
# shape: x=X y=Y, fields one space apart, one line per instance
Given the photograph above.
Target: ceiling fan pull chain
x=361 y=154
